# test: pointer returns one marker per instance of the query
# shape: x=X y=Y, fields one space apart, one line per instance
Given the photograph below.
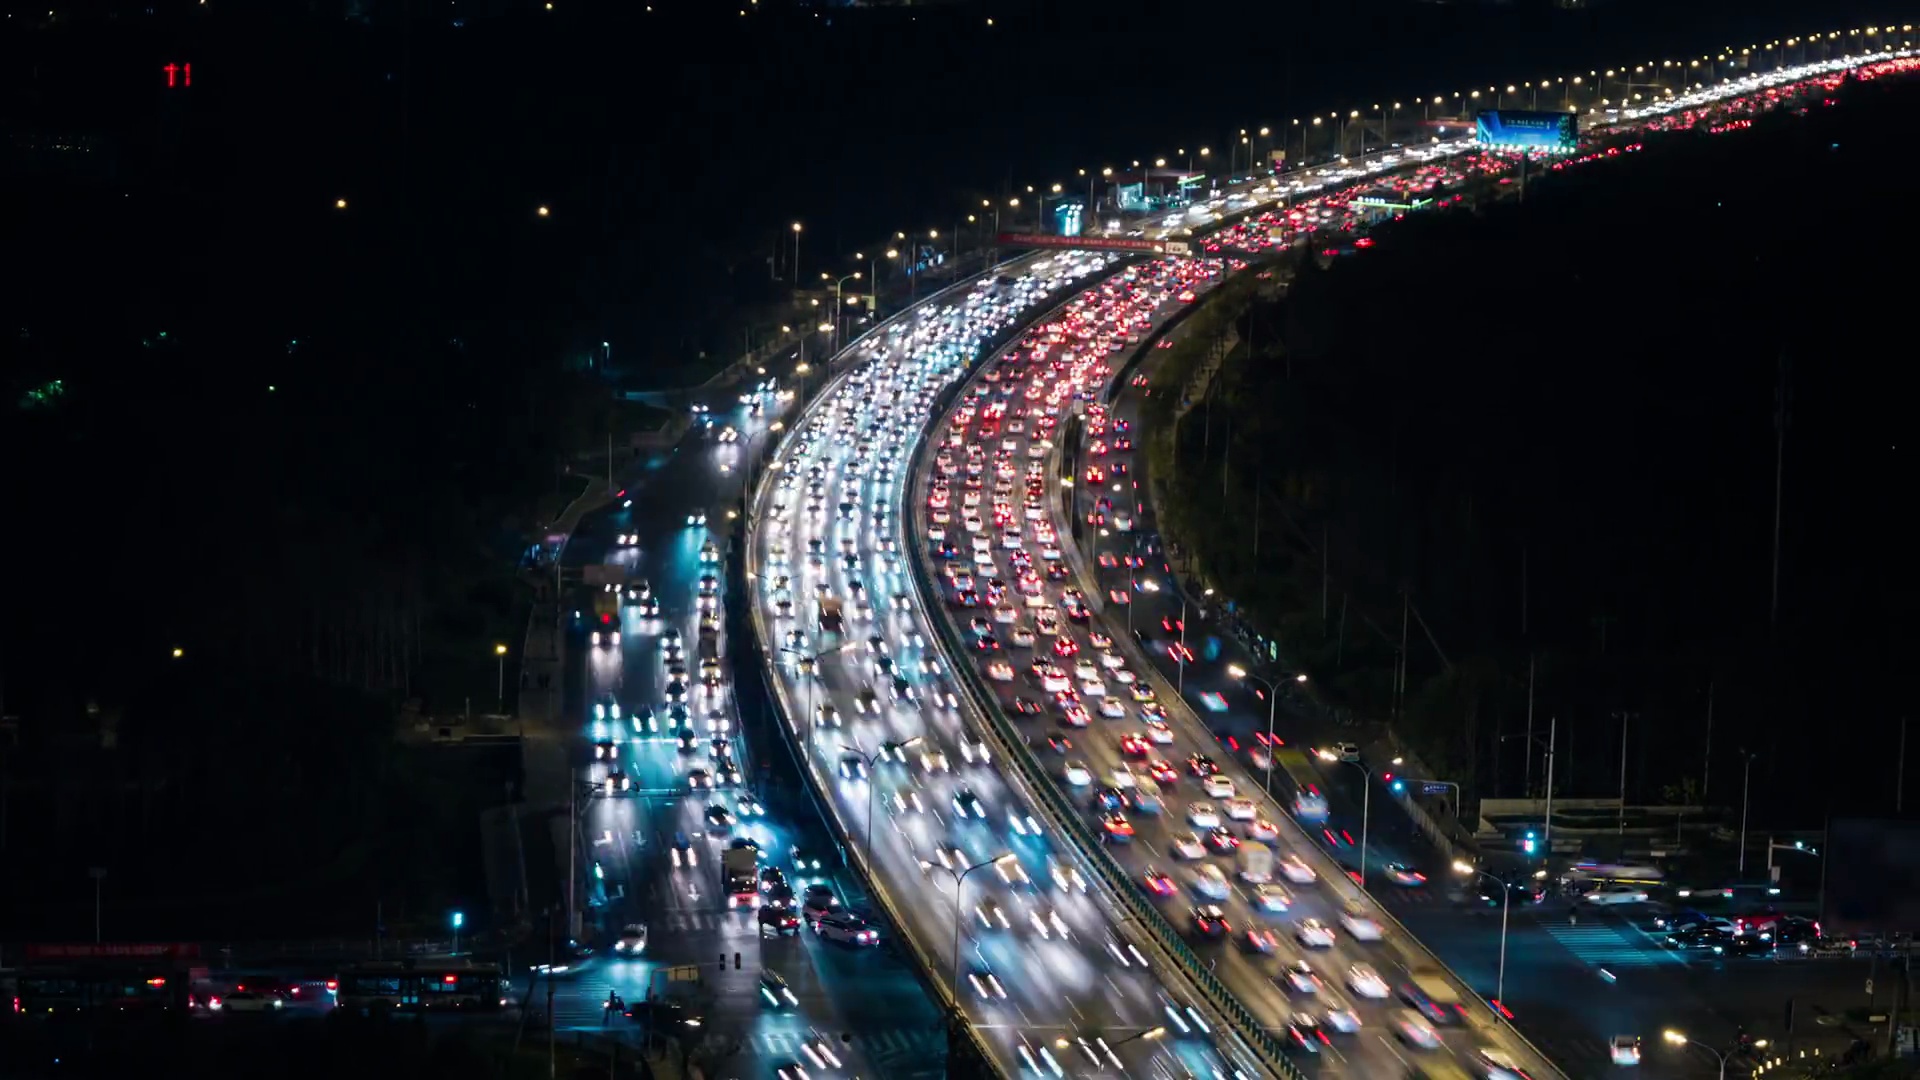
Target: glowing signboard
x=178 y=76
x=1551 y=132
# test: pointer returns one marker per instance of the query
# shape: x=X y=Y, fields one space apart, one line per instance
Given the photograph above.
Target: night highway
x=651 y=853
x=1046 y=977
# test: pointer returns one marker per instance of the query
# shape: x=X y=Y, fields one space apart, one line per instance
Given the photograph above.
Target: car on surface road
x=1618 y=893
x=775 y=991
x=819 y=900
x=1211 y=922
x=778 y=919
x=846 y=928
x=1402 y=874
x=633 y=940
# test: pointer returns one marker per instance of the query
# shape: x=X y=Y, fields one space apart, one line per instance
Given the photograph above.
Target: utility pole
x=573 y=825
x=1625 y=717
x=1526 y=782
x=1400 y=681
x=1746 y=790
x=1706 y=760
x=1523 y=591
x=1553 y=733
x=1782 y=417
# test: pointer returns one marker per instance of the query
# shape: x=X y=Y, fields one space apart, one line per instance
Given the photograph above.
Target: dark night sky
x=673 y=150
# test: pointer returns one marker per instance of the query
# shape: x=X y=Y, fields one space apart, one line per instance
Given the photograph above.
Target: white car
x=1625 y=1049
x=1067 y=877
x=1124 y=779
x=1366 y=982
x=1241 y=809
x=1111 y=709
x=1210 y=882
x=1272 y=899
x=1314 y=934
x=1078 y=774
x=1110 y=659
x=987 y=985
x=1359 y=926
x=973 y=751
x=633 y=940
x=1218 y=786
x=1295 y=869
x=1616 y=894
x=1158 y=732
x=1203 y=816
x=1341 y=1017
x=1000 y=671
x=1414 y=1030
x=1022 y=637
x=1048 y=924
x=1188 y=846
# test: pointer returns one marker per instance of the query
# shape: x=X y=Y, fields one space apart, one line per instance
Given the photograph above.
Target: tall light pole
x=96 y=873
x=1366 y=805
x=808 y=664
x=796 y=254
x=1746 y=788
x=1506 y=905
x=870 y=761
x=838 y=306
x=1273 y=706
x=500 y=655
x=959 y=887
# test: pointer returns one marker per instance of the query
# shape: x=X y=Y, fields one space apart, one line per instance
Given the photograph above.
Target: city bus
x=428 y=984
x=38 y=991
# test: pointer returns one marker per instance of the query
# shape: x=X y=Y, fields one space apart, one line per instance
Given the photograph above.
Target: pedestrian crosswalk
x=1605 y=946
x=878 y=1047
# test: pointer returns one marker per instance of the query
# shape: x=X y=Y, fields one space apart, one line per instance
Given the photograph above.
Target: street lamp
x=1273 y=705
x=871 y=760
x=1506 y=905
x=838 y=304
x=1679 y=1039
x=959 y=887
x=1366 y=807
x=811 y=662
x=796 y=254
x=500 y=654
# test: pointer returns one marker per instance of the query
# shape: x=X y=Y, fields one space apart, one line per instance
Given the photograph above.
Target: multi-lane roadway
x=1046 y=977
x=1042 y=971
x=650 y=840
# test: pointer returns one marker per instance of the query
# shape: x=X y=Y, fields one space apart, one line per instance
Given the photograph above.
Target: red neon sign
x=178 y=75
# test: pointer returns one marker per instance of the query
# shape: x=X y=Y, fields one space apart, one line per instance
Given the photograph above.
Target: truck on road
x=1256 y=863
x=740 y=874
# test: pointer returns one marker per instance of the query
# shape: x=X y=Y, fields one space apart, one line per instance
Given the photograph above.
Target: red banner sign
x=88 y=951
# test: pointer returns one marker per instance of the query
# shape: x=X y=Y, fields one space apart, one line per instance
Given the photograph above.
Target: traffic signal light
x=1526 y=845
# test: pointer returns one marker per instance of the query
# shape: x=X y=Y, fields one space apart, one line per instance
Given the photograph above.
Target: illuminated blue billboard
x=1068 y=218
x=1551 y=132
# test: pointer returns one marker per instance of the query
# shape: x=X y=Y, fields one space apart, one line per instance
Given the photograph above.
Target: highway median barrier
x=1040 y=786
